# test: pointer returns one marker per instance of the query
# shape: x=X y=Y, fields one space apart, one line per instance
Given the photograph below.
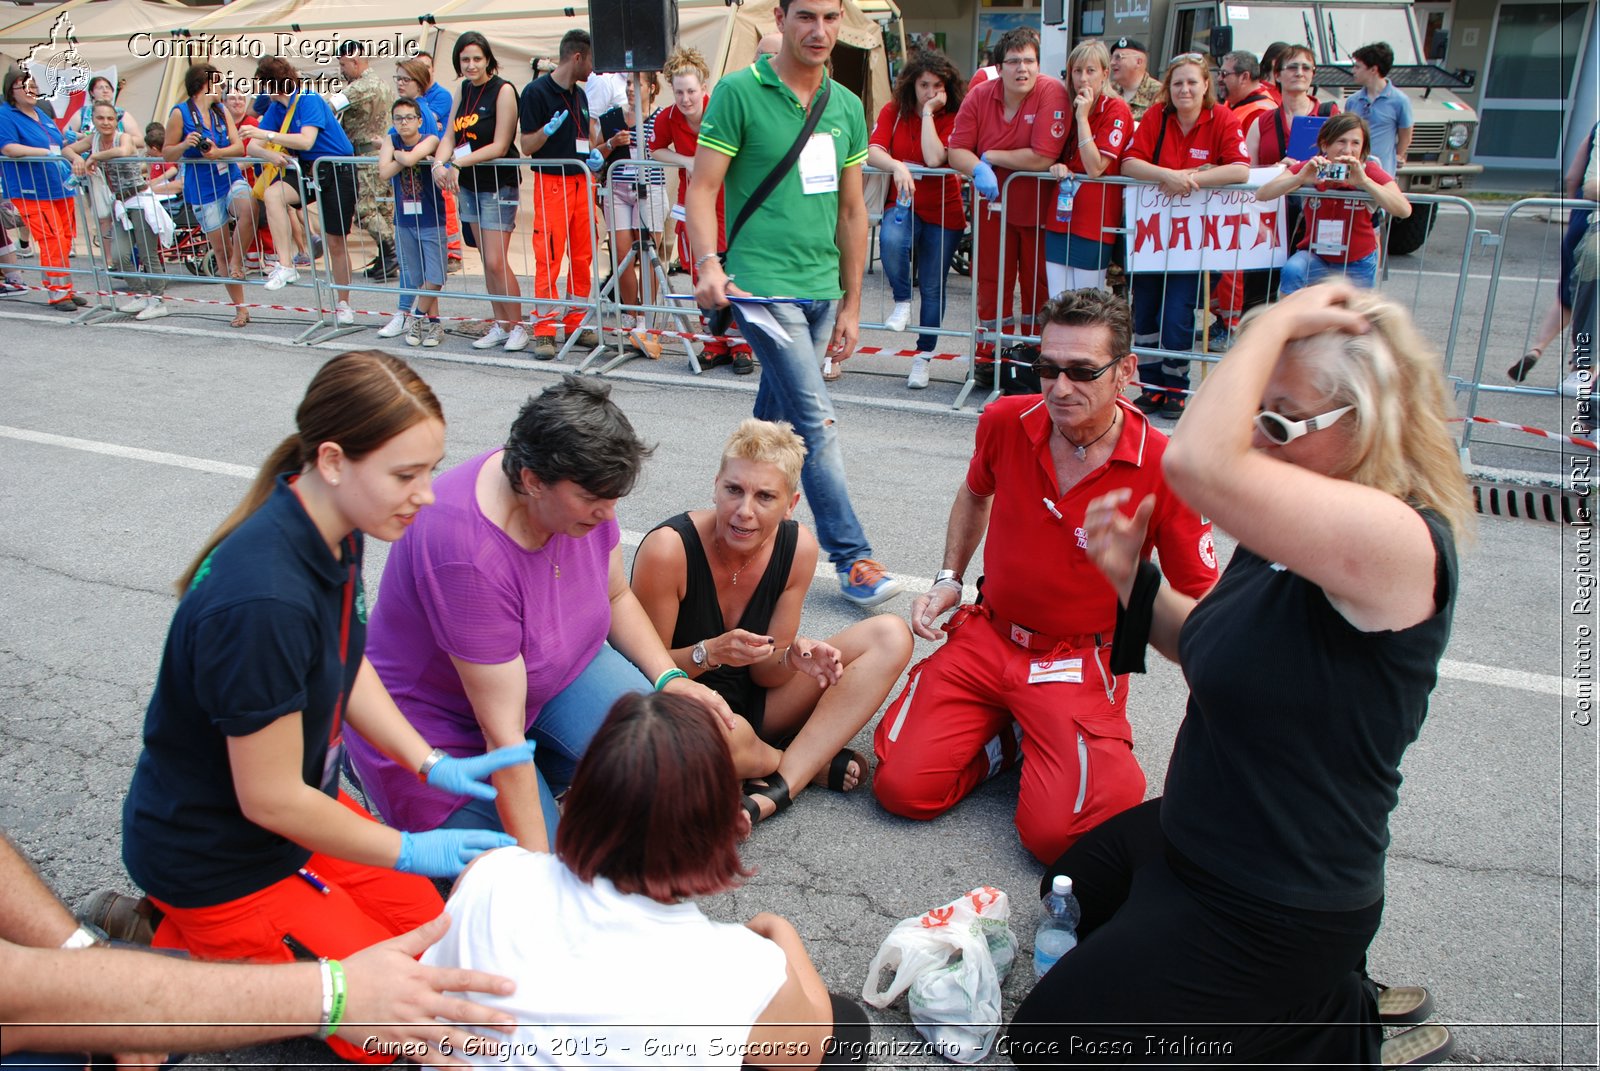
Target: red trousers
x=55 y=226
x=363 y=906
x=951 y=729
x=1024 y=265
x=452 y=225
x=563 y=228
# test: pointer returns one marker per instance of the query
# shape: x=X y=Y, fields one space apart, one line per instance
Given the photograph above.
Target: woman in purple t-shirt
x=506 y=615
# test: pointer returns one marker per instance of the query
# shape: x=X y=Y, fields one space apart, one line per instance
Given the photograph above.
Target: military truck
x=1439 y=160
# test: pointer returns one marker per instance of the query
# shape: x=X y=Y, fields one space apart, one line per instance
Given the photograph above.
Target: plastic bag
x=950 y=963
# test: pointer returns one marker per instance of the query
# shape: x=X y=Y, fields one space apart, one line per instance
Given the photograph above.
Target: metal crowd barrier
x=1522 y=316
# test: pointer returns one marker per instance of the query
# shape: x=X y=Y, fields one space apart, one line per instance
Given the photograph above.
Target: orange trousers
x=563 y=229
x=363 y=906
x=452 y=225
x=54 y=225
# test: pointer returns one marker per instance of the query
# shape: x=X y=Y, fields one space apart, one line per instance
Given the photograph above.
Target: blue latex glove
x=985 y=182
x=444 y=853
x=596 y=161
x=466 y=777
x=555 y=123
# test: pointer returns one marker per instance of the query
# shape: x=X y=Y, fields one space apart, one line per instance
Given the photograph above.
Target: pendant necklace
x=545 y=550
x=1082 y=452
x=747 y=561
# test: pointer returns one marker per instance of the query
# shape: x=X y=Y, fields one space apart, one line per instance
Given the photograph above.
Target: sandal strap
x=776 y=789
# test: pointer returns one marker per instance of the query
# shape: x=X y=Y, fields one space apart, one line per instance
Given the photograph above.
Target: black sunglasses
x=1076 y=372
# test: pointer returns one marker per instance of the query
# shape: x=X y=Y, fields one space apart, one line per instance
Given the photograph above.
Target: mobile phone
x=1333 y=172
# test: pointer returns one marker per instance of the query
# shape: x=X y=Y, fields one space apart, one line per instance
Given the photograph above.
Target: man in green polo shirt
x=806 y=240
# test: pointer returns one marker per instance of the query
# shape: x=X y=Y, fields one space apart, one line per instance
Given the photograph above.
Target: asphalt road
x=121 y=447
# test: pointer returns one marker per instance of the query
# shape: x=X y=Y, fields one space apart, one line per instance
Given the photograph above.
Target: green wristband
x=669 y=676
x=333 y=1003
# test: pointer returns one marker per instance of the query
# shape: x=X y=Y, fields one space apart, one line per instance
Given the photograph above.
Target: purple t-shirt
x=458 y=585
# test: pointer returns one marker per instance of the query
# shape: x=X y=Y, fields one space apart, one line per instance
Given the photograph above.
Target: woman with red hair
x=604 y=932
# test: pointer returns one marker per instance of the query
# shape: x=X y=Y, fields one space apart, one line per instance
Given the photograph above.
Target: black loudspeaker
x=632 y=35
x=1054 y=12
x=1221 y=42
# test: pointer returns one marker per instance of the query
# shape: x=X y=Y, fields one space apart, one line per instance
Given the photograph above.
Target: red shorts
x=951 y=728
x=363 y=906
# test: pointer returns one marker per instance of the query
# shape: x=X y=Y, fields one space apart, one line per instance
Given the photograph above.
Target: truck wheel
x=1408 y=235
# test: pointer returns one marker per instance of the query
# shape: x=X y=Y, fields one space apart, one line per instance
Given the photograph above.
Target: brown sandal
x=240 y=318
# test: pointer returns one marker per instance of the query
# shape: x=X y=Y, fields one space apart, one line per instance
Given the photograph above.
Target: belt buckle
x=1021 y=637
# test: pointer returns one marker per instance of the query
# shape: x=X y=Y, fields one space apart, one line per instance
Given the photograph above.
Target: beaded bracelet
x=669 y=676
x=333 y=997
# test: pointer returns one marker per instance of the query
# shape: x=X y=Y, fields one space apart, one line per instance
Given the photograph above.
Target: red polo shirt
x=1037 y=570
x=1336 y=229
x=1041 y=123
x=1096 y=205
x=672 y=131
x=937 y=200
x=1215 y=140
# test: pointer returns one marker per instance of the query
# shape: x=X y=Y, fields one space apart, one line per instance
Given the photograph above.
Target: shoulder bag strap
x=770 y=183
x=1161 y=137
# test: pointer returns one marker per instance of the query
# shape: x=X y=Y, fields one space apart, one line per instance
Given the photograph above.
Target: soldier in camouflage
x=1130 y=74
x=366 y=124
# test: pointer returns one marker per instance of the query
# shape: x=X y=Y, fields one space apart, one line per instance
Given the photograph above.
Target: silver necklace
x=1082 y=452
x=747 y=561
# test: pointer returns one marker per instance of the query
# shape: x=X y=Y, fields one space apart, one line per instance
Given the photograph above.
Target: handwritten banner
x=1208 y=230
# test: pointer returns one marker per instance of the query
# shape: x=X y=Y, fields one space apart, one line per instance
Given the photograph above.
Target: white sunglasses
x=1280 y=430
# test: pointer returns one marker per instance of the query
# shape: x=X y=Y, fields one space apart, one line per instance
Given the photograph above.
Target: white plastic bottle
x=1058 y=926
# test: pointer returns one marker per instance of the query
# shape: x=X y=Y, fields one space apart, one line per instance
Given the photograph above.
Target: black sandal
x=774 y=788
x=840 y=766
x=1519 y=371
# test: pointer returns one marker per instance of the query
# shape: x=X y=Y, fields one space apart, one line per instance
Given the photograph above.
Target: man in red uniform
x=1017 y=122
x=1032 y=658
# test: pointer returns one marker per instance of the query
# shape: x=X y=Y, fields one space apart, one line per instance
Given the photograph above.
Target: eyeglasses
x=408 y=118
x=1297 y=67
x=1227 y=73
x=1281 y=431
x=1187 y=57
x=1078 y=373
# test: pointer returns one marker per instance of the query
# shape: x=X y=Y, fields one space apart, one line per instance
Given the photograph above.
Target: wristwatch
x=947 y=574
x=700 y=657
x=86 y=936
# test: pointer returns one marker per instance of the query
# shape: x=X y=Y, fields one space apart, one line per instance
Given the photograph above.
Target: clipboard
x=1303 y=136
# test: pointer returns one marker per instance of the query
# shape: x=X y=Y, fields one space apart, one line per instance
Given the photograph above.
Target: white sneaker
x=899 y=317
x=344 y=315
x=395 y=326
x=281 y=277
x=432 y=334
x=918 y=379
x=1578 y=381
x=133 y=306
x=414 y=331
x=517 y=341
x=496 y=336
x=154 y=310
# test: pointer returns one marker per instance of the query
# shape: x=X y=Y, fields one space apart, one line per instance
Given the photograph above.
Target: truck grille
x=1427 y=138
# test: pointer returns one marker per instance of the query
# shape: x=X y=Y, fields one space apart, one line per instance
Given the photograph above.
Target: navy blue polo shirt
x=273 y=624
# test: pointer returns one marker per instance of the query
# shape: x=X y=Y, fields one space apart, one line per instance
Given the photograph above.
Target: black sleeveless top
x=700 y=615
x=477 y=113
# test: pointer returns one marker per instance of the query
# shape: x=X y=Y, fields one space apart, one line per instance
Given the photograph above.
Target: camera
x=1333 y=172
x=204 y=144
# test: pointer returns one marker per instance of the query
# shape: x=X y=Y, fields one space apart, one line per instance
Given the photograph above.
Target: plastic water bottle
x=1058 y=928
x=1064 y=194
x=900 y=205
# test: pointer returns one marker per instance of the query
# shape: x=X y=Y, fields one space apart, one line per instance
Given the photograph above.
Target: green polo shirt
x=787 y=247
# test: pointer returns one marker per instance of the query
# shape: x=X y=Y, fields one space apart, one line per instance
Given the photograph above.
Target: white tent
x=151 y=43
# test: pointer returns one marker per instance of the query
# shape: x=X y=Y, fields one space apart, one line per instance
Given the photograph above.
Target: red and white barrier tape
x=1587 y=444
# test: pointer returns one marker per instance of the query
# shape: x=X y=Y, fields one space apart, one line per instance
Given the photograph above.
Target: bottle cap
x=1061 y=885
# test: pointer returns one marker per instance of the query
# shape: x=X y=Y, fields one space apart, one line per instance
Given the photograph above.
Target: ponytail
x=285 y=459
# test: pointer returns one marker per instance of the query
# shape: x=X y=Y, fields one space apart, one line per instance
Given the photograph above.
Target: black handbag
x=718 y=320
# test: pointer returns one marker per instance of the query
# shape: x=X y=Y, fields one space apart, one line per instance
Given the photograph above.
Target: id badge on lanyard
x=819 y=165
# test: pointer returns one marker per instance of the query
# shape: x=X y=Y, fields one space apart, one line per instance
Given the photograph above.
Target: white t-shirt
x=606 y=978
x=606 y=91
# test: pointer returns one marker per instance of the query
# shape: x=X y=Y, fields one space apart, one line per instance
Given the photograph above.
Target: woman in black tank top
x=746 y=561
x=482 y=131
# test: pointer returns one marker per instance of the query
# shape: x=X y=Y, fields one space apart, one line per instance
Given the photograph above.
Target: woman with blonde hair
x=1079 y=244
x=1186 y=142
x=1248 y=893
x=725 y=588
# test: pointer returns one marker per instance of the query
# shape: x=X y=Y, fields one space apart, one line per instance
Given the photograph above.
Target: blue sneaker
x=866 y=583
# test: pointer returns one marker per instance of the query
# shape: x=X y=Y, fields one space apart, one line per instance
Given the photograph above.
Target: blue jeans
x=792 y=389
x=562 y=730
x=1163 y=311
x=934 y=247
x=1305 y=269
